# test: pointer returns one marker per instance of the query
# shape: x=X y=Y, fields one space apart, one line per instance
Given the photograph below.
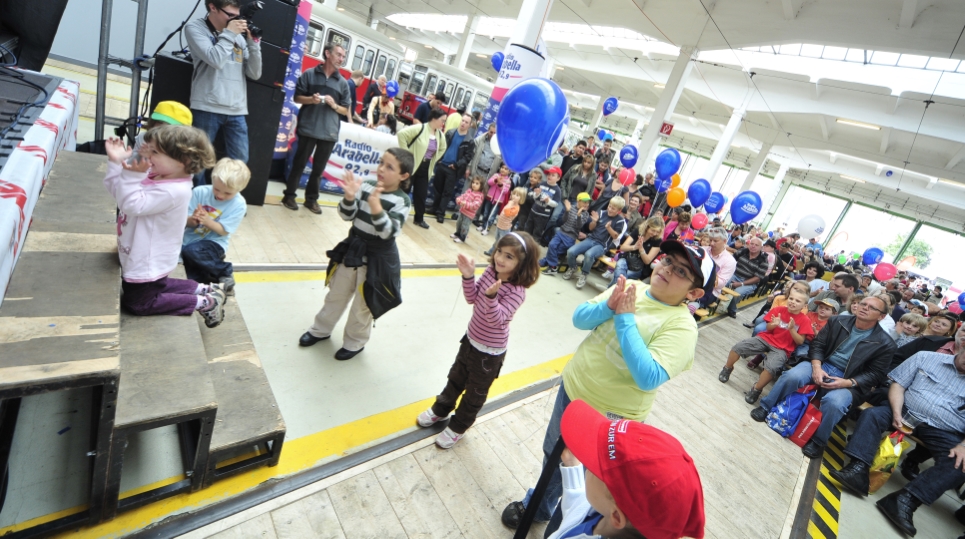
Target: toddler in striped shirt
x=495 y=298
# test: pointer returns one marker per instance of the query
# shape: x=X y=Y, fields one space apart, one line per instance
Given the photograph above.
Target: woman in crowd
x=680 y=230
x=813 y=276
x=380 y=108
x=607 y=190
x=578 y=178
x=427 y=143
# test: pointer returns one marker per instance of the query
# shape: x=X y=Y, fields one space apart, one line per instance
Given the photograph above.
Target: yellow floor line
x=298 y=455
x=295 y=276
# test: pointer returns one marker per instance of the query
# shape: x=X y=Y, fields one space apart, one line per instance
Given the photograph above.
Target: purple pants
x=163 y=296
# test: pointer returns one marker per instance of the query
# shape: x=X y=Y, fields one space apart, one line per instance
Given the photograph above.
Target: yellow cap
x=173 y=113
x=583 y=197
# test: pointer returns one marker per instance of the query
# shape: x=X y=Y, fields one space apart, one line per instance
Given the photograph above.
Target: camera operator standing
x=224 y=53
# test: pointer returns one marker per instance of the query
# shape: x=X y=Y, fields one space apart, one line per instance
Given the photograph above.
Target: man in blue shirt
x=452 y=166
x=815 y=247
x=435 y=101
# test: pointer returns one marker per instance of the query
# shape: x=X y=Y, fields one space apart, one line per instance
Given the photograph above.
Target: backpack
x=784 y=417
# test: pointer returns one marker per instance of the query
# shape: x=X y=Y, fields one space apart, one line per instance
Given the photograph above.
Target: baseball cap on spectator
x=830 y=303
x=700 y=261
x=583 y=197
x=650 y=476
x=172 y=112
x=554 y=170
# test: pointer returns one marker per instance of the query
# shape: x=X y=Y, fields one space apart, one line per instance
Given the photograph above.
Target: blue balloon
x=699 y=192
x=663 y=185
x=533 y=119
x=872 y=256
x=667 y=163
x=610 y=106
x=961 y=299
x=715 y=202
x=497 y=61
x=601 y=134
x=770 y=234
x=608 y=137
x=746 y=206
x=629 y=156
x=391 y=88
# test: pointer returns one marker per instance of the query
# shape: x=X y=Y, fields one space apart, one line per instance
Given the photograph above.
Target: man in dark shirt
x=323 y=95
x=353 y=85
x=751 y=269
x=574 y=157
x=451 y=166
x=421 y=115
x=604 y=153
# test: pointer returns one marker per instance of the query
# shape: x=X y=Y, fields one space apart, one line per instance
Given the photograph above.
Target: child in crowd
x=387 y=124
x=777 y=298
x=468 y=203
x=546 y=197
x=605 y=232
x=572 y=229
x=495 y=298
x=826 y=308
x=525 y=209
x=917 y=306
x=165 y=113
x=909 y=327
x=216 y=211
x=496 y=197
x=605 y=499
x=787 y=328
x=152 y=197
x=504 y=223
x=364 y=268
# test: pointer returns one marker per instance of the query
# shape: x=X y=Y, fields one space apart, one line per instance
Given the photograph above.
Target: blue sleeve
x=233 y=214
x=590 y=315
x=646 y=372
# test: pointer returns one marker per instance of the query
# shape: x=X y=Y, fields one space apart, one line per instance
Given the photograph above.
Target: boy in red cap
x=639 y=481
x=545 y=199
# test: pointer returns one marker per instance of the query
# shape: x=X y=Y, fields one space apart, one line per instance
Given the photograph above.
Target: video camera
x=248 y=11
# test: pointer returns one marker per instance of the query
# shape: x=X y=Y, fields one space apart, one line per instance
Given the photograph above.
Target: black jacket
x=925 y=343
x=871 y=357
x=465 y=152
x=382 y=290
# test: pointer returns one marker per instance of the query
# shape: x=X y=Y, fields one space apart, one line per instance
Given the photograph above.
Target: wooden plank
x=50 y=373
x=64 y=284
x=468 y=505
x=496 y=480
x=363 y=508
x=70 y=242
x=418 y=506
x=260 y=527
x=74 y=198
x=311 y=517
x=516 y=457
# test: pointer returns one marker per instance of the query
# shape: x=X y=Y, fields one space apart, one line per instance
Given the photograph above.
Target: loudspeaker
x=274 y=62
x=277 y=22
x=35 y=24
x=172 y=80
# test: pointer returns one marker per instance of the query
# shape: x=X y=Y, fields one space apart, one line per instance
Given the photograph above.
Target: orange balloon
x=676 y=197
x=675 y=180
x=906 y=263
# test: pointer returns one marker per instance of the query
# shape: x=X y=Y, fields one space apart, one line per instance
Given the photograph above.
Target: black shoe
x=724 y=375
x=813 y=450
x=960 y=514
x=853 y=477
x=759 y=414
x=344 y=354
x=900 y=508
x=732 y=315
x=512 y=514
x=440 y=218
x=752 y=395
x=423 y=224
x=308 y=339
x=313 y=207
x=909 y=469
x=289 y=202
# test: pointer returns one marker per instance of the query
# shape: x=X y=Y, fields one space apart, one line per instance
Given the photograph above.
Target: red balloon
x=699 y=221
x=628 y=176
x=885 y=271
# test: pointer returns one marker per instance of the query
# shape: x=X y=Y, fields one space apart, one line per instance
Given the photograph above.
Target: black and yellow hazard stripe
x=826 y=508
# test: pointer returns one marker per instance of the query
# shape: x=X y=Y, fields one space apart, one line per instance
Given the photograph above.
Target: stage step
x=249 y=430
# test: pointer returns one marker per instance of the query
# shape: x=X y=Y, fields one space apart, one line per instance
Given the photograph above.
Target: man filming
x=224 y=53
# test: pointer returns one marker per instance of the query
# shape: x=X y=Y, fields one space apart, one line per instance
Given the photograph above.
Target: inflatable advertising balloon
x=699 y=221
x=746 y=206
x=810 y=226
x=628 y=176
x=676 y=197
x=715 y=203
x=906 y=263
x=675 y=180
x=601 y=134
x=610 y=106
x=662 y=185
x=494 y=145
x=872 y=256
x=667 y=163
x=533 y=119
x=392 y=88
x=699 y=192
x=885 y=271
x=961 y=299
x=628 y=156
x=497 y=61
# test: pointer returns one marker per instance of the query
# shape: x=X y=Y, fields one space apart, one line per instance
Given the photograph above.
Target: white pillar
x=638 y=132
x=666 y=104
x=465 y=42
x=726 y=138
x=531 y=21
x=330 y=3
x=597 y=118
x=785 y=185
x=756 y=166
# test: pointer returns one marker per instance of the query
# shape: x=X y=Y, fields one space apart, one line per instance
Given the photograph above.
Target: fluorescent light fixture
x=427 y=46
x=341 y=9
x=560 y=68
x=392 y=38
x=852 y=178
x=859 y=124
x=658 y=85
x=481 y=55
x=952 y=183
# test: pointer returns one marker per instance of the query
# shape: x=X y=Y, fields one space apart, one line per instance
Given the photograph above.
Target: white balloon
x=494 y=144
x=810 y=226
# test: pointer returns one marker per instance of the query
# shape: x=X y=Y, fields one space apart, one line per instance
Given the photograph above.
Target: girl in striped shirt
x=495 y=297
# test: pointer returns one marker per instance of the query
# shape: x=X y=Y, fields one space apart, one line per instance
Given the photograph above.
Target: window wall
x=799 y=202
x=864 y=227
x=945 y=257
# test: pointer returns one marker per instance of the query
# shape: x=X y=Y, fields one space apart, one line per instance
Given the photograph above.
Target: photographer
x=224 y=53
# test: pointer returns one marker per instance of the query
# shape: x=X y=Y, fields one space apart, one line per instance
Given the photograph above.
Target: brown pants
x=473 y=372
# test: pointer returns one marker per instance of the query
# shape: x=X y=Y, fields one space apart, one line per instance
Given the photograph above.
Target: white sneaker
x=457 y=240
x=479 y=228
x=607 y=275
x=485 y=232
x=570 y=272
x=447 y=438
x=581 y=281
x=428 y=419
x=453 y=235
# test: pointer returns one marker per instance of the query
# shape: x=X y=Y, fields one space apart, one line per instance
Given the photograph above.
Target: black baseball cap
x=699 y=258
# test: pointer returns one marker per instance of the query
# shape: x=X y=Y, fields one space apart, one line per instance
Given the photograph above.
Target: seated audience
x=908 y=329
x=577 y=215
x=814 y=276
x=639 y=250
x=726 y=265
x=751 y=270
x=840 y=289
x=604 y=232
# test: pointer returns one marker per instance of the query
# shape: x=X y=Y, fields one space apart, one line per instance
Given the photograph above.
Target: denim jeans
x=834 y=403
x=487 y=215
x=554 y=490
x=204 y=261
x=558 y=247
x=590 y=250
x=623 y=269
x=234 y=128
x=743 y=291
x=463 y=224
x=931 y=483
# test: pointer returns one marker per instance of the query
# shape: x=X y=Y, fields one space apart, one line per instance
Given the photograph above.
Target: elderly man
x=925 y=396
x=726 y=265
x=840 y=289
x=849 y=357
x=373 y=92
x=751 y=269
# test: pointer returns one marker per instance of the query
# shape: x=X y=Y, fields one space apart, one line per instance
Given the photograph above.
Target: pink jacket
x=499 y=194
x=469 y=202
x=150 y=223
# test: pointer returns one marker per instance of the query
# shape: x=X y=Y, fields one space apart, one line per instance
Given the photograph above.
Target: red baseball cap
x=652 y=479
x=554 y=170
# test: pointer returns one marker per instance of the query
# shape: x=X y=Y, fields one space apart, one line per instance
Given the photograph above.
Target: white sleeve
x=574 y=504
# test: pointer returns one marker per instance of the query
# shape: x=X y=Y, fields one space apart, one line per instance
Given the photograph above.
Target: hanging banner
x=289 y=110
x=359 y=149
x=521 y=63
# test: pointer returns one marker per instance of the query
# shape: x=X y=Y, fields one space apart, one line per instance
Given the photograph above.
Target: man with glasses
x=849 y=357
x=223 y=53
x=640 y=337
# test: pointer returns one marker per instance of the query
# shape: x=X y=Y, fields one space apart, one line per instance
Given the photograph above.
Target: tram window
x=313 y=40
x=480 y=103
x=379 y=66
x=341 y=40
x=367 y=66
x=459 y=95
x=464 y=102
x=357 y=59
x=390 y=70
x=431 y=84
x=415 y=87
x=448 y=91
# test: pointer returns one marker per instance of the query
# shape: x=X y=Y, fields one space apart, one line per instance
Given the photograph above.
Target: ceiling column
x=666 y=104
x=723 y=145
x=597 y=118
x=756 y=166
x=465 y=42
x=785 y=185
x=330 y=3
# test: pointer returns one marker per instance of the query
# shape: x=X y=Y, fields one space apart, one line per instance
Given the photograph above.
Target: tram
x=419 y=80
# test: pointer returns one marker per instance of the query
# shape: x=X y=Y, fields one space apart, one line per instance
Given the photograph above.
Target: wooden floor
x=751 y=476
